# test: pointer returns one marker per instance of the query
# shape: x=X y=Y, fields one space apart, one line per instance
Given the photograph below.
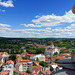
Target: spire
x=52 y=43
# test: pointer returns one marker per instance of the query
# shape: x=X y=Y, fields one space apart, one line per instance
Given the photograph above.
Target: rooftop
x=68 y=66
x=10 y=61
x=66 y=61
x=52 y=43
x=64 y=72
x=4 y=73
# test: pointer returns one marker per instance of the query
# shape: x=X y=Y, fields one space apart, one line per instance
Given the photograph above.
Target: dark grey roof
x=64 y=72
x=66 y=61
x=68 y=66
x=73 y=53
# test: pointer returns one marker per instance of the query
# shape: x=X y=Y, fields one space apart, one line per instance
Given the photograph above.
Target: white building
x=55 y=67
x=39 y=57
x=3 y=56
x=51 y=50
x=9 y=67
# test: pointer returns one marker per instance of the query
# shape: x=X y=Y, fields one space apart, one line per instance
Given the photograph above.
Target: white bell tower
x=52 y=45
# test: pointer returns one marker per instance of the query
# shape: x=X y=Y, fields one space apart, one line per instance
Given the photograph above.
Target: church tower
x=52 y=45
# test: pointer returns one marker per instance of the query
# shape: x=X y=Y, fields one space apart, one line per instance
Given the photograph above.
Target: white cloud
x=2 y=10
x=47 y=32
x=4 y=29
x=8 y=3
x=70 y=28
x=37 y=16
x=5 y=25
x=53 y=20
x=44 y=29
x=39 y=33
x=31 y=25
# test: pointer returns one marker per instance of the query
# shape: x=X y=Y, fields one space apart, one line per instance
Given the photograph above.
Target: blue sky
x=37 y=18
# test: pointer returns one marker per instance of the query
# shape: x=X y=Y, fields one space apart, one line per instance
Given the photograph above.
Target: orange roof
x=5 y=73
x=17 y=71
x=24 y=53
x=30 y=55
x=34 y=73
x=1 y=53
x=66 y=54
x=50 y=49
x=58 y=57
x=26 y=60
x=18 y=55
x=36 y=68
x=52 y=43
x=47 y=46
x=19 y=59
x=48 y=71
x=21 y=73
x=24 y=74
x=46 y=59
x=24 y=49
x=10 y=61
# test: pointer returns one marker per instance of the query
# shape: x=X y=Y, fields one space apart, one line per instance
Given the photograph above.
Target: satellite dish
x=73 y=9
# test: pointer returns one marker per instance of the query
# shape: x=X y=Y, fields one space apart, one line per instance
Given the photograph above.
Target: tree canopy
x=44 y=64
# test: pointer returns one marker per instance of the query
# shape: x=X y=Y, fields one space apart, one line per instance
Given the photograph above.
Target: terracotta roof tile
x=18 y=55
x=52 y=43
x=5 y=73
x=10 y=61
x=36 y=68
x=30 y=55
x=50 y=49
x=24 y=53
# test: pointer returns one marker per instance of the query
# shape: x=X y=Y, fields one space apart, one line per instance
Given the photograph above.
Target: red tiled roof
x=21 y=73
x=19 y=59
x=48 y=71
x=26 y=60
x=52 y=43
x=17 y=71
x=24 y=49
x=58 y=57
x=1 y=53
x=5 y=73
x=36 y=68
x=10 y=61
x=18 y=55
x=34 y=73
x=30 y=55
x=66 y=54
x=24 y=53
x=50 y=49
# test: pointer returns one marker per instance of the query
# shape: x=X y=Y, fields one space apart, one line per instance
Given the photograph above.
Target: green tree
x=55 y=53
x=44 y=64
x=12 y=57
x=57 y=59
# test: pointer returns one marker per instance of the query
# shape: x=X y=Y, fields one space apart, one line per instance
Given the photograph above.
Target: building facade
x=51 y=50
x=39 y=57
